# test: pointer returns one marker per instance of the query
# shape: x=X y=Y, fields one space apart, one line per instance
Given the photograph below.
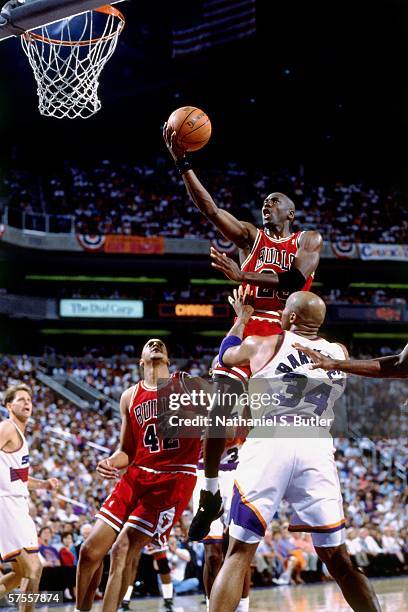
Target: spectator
x=178 y=559
x=48 y=554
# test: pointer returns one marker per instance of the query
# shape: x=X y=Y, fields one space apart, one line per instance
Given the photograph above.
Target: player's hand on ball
x=319 y=360
x=239 y=301
x=169 y=136
x=226 y=265
x=105 y=469
x=53 y=484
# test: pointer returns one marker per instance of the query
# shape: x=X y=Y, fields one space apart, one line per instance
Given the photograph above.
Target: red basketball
x=192 y=127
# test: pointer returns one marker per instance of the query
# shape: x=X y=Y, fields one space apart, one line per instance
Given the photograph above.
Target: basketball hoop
x=67 y=58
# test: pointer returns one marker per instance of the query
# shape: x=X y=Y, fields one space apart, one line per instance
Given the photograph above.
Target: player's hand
x=169 y=136
x=319 y=360
x=105 y=469
x=52 y=484
x=226 y=265
x=240 y=301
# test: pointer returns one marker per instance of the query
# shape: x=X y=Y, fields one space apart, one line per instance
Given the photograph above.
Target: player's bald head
x=305 y=309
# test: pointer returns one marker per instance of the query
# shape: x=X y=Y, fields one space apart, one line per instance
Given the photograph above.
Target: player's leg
x=129 y=577
x=12 y=580
x=260 y=483
x=227 y=588
x=31 y=569
x=228 y=389
x=91 y=556
x=165 y=577
x=125 y=555
x=213 y=558
x=321 y=513
x=354 y=585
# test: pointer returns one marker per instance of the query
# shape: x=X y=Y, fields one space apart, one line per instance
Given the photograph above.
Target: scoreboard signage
x=101 y=309
x=182 y=310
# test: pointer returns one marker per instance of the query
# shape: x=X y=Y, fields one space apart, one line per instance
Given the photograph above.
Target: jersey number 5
x=152 y=441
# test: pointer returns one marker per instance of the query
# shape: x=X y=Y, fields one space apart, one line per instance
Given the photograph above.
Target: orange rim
x=108 y=9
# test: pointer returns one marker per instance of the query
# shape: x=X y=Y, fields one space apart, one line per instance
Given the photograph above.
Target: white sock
x=167 y=590
x=207 y=601
x=128 y=595
x=211 y=484
x=243 y=605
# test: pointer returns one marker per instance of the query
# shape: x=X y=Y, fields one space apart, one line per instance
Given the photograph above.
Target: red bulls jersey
x=275 y=254
x=153 y=452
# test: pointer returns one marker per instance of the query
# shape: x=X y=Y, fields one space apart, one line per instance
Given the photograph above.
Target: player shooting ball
x=274 y=262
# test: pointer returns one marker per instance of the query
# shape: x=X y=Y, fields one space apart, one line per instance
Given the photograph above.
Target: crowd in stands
x=150 y=199
x=66 y=445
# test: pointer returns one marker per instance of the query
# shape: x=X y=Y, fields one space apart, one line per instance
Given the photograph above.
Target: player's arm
x=120 y=459
x=50 y=484
x=239 y=232
x=7 y=431
x=394 y=366
x=233 y=350
x=305 y=262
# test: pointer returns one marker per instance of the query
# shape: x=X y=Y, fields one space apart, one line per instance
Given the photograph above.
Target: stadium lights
x=96 y=279
x=379 y=285
x=380 y=335
x=50 y=331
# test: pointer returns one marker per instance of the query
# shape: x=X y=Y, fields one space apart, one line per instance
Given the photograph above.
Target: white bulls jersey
x=295 y=389
x=14 y=468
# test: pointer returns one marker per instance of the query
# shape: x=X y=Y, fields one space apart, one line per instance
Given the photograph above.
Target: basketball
x=192 y=127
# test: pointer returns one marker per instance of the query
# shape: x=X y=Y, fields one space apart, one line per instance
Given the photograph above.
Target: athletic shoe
x=168 y=605
x=125 y=607
x=210 y=508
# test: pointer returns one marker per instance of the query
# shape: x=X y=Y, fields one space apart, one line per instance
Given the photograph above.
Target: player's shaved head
x=305 y=310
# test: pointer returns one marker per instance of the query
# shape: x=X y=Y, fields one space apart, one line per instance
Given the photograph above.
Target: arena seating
x=150 y=199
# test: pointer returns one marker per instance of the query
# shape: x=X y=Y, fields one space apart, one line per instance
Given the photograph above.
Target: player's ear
x=291 y=215
x=292 y=317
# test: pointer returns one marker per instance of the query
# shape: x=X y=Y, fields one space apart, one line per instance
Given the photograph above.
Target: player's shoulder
x=311 y=239
x=7 y=426
x=128 y=394
x=7 y=429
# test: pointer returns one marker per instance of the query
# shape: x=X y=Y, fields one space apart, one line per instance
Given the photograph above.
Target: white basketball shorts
x=301 y=471
x=17 y=528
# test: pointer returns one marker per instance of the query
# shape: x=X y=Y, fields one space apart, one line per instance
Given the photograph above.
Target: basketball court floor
x=392 y=593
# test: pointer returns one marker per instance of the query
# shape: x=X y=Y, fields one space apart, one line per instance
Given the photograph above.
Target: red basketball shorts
x=148 y=501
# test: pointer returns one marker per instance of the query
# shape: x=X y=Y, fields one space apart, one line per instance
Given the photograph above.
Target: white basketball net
x=67 y=66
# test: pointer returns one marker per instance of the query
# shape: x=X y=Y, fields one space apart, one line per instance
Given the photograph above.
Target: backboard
x=19 y=16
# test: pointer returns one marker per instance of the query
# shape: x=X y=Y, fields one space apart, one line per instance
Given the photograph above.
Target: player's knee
x=336 y=559
x=89 y=554
x=163 y=566
x=119 y=553
x=213 y=555
x=32 y=569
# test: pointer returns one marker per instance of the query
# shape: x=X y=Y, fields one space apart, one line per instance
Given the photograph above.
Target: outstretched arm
x=304 y=264
x=394 y=366
x=239 y=232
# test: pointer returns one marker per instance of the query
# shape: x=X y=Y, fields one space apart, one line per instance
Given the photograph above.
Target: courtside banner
x=380 y=252
x=139 y=245
x=101 y=309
